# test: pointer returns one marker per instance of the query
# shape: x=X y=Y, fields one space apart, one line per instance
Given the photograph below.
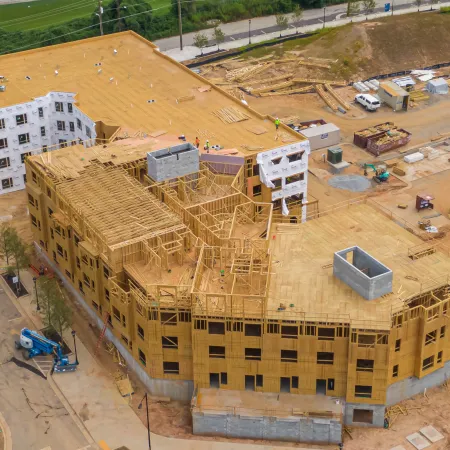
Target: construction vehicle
x=35 y=344
x=381 y=174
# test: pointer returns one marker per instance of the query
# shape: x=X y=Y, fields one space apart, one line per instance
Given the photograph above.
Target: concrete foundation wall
x=301 y=429
x=180 y=390
x=412 y=386
x=378 y=414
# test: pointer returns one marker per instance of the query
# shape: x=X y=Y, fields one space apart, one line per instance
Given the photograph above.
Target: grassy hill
x=386 y=45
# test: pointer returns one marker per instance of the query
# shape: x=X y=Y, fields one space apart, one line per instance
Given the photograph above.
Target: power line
x=95 y=25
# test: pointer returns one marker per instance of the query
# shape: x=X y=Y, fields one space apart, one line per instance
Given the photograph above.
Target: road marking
x=263 y=32
x=339 y=16
x=232 y=38
x=321 y=21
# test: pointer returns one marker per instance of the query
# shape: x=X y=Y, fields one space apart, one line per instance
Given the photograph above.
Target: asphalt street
x=266 y=25
x=35 y=416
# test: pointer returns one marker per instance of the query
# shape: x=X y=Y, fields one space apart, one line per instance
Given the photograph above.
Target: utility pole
x=180 y=26
x=100 y=12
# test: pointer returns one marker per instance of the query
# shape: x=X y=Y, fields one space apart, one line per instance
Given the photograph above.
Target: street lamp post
x=392 y=13
x=148 y=420
x=324 y=9
x=249 y=36
x=38 y=308
x=75 y=346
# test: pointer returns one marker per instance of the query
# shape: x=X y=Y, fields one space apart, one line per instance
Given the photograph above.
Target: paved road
x=35 y=416
x=265 y=25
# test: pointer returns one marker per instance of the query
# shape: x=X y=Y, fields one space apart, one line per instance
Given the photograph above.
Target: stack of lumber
x=273 y=87
x=287 y=91
x=247 y=72
x=418 y=96
x=314 y=81
x=326 y=97
x=302 y=62
x=230 y=115
x=337 y=97
x=289 y=120
x=268 y=80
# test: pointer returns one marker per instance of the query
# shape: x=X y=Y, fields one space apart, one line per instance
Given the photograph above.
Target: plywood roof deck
x=116 y=206
x=119 y=94
x=302 y=271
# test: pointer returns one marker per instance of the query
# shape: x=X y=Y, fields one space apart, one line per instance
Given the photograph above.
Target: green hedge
x=445 y=9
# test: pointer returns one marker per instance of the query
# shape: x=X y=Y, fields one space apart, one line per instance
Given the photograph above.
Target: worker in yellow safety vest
x=277 y=123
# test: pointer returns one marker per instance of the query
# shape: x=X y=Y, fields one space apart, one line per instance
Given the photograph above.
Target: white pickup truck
x=368 y=101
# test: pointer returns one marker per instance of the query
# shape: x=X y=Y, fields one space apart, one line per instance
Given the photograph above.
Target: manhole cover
x=354 y=183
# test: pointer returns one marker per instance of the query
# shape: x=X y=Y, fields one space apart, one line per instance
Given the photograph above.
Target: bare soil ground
x=432 y=410
x=13 y=208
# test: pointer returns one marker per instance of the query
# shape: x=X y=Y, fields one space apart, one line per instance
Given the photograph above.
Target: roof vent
x=151 y=101
x=2 y=88
x=28 y=77
x=115 y=51
x=56 y=72
x=362 y=272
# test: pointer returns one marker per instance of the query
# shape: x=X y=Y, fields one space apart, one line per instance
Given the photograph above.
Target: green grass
x=43 y=13
x=160 y=7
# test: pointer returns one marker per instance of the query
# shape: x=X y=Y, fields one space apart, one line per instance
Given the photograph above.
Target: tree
x=7 y=235
x=352 y=7
x=55 y=312
x=418 y=3
x=21 y=255
x=433 y=2
x=296 y=16
x=368 y=6
x=219 y=36
x=282 y=21
x=200 y=41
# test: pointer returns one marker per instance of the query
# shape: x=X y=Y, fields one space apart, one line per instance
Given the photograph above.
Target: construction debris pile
x=288 y=77
x=381 y=138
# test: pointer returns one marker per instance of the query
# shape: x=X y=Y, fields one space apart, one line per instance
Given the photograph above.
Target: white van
x=368 y=101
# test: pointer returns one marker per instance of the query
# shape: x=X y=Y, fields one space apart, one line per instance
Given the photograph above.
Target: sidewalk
x=190 y=52
x=101 y=411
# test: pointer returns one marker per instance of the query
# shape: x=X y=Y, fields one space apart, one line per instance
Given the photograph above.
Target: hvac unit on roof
x=2 y=88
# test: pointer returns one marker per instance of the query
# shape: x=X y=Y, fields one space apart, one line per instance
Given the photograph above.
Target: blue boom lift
x=36 y=344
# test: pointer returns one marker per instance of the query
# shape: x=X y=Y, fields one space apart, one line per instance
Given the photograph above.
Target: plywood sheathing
x=140 y=73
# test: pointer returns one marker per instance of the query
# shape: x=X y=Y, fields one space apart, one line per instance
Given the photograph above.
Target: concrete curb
x=6 y=433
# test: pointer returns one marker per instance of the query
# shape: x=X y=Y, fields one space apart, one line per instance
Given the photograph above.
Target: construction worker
x=197 y=142
x=277 y=123
x=207 y=146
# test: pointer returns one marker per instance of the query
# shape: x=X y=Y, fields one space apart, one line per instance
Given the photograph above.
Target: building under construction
x=222 y=285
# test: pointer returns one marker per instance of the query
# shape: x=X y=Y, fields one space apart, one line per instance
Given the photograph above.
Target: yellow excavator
x=381 y=175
